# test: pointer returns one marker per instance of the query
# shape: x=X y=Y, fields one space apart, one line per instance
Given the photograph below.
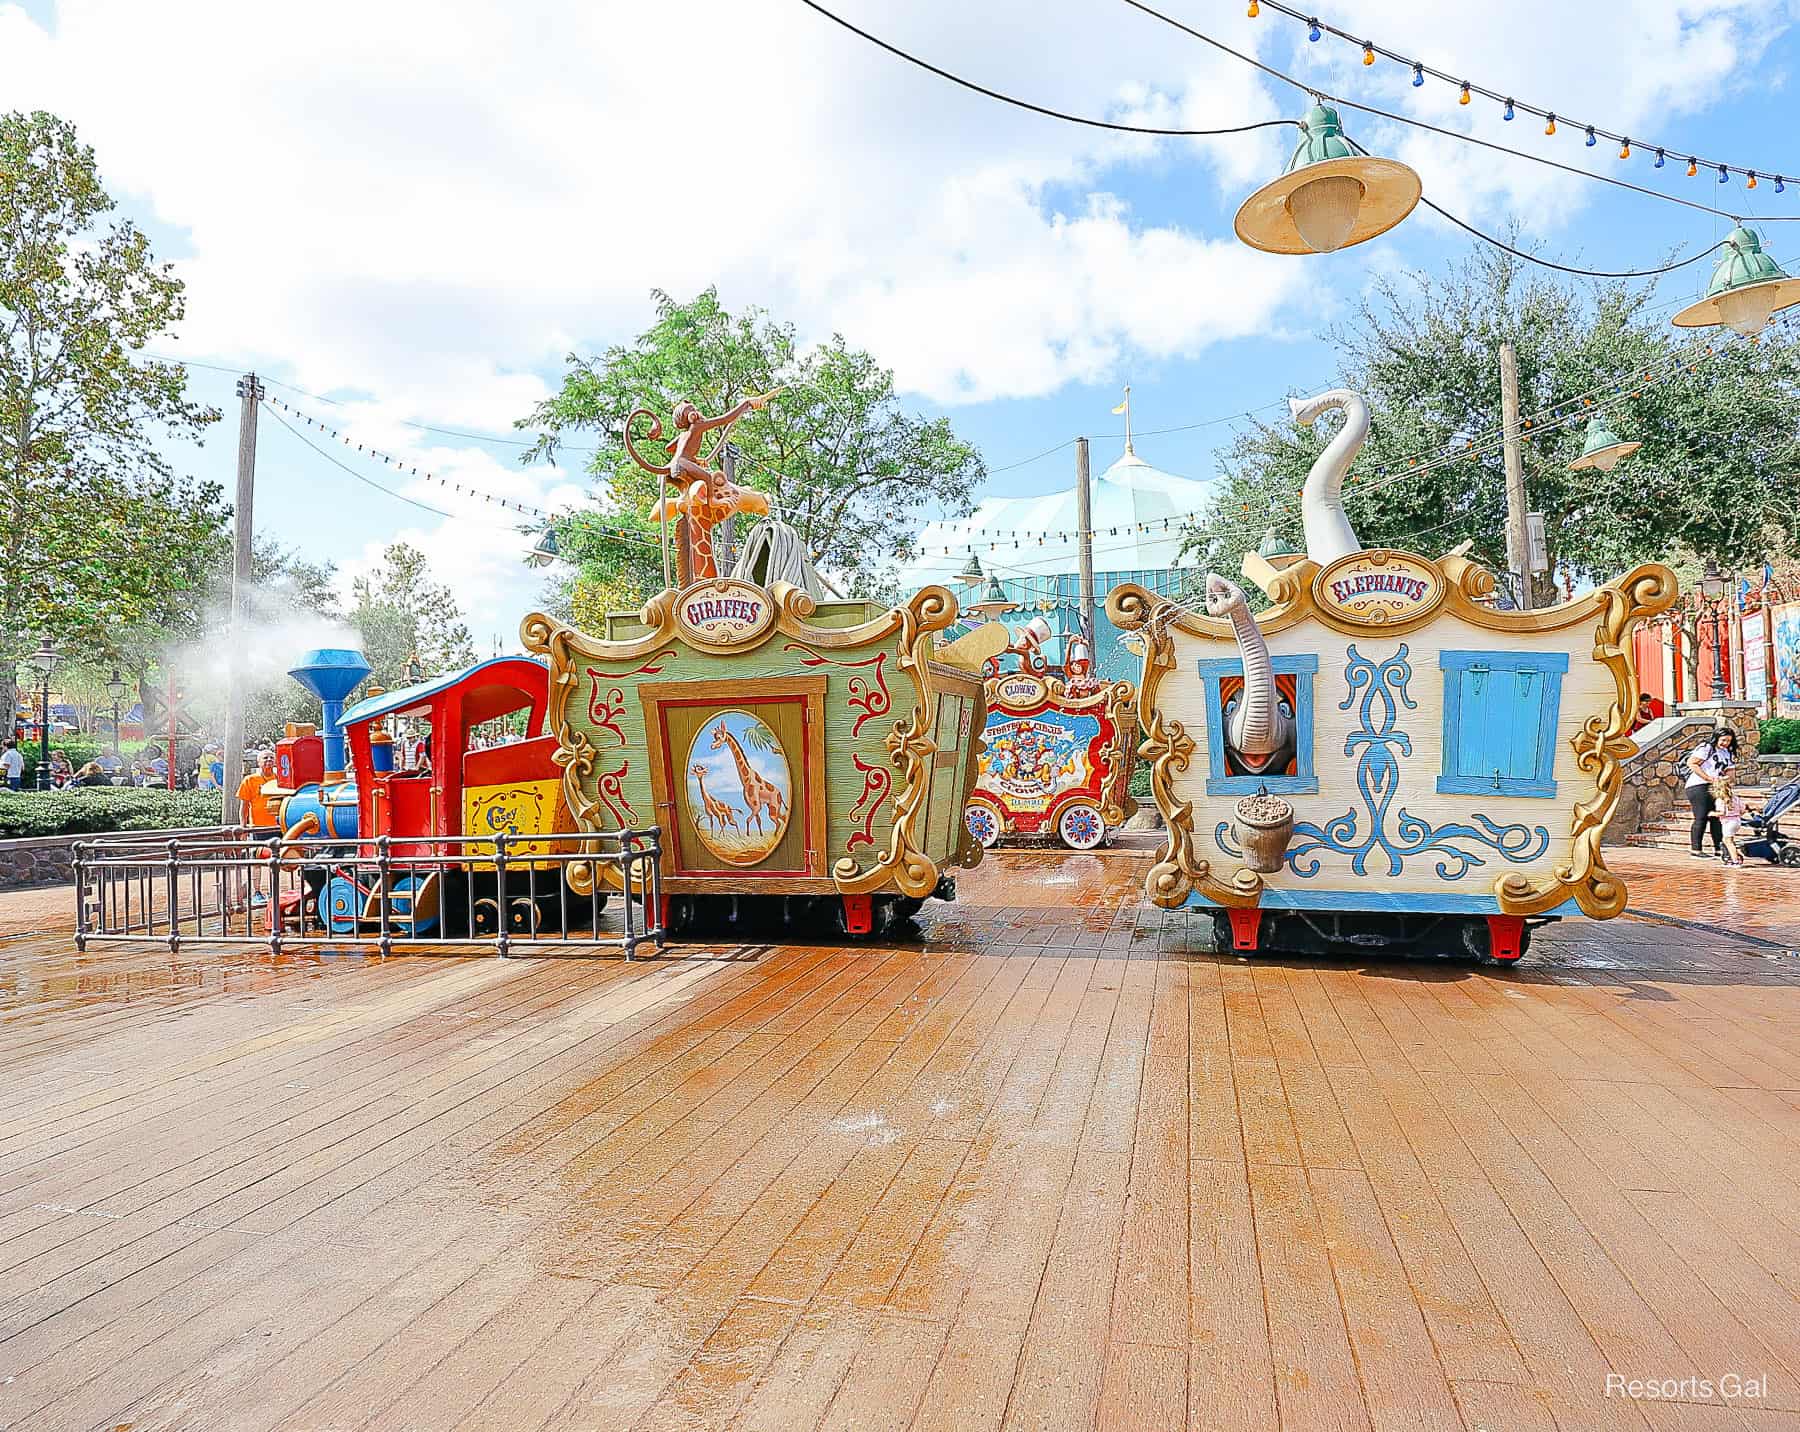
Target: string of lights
x=1555 y=121
x=1456 y=134
x=277 y=407
x=400 y=465
x=1323 y=95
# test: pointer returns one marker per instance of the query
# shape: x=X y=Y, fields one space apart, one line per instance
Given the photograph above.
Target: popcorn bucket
x=1263 y=827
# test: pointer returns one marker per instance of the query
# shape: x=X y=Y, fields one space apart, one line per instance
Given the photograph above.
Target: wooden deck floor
x=1054 y=1166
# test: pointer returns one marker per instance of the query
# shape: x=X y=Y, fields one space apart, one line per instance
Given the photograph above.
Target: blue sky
x=416 y=209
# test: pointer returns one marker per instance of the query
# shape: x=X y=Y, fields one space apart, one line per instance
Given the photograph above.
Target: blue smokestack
x=331 y=674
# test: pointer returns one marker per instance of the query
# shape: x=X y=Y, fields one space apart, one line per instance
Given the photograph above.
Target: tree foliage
x=838 y=456
x=401 y=613
x=101 y=536
x=1714 y=477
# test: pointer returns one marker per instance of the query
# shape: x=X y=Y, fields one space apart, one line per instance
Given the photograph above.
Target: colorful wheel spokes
x=343 y=903
x=1080 y=827
x=982 y=825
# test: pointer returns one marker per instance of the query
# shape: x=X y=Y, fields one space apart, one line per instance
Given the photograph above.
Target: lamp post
x=44 y=659
x=115 y=688
x=1712 y=587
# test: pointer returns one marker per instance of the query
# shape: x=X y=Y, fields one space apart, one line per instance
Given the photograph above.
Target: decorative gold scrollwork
x=1602 y=746
x=913 y=753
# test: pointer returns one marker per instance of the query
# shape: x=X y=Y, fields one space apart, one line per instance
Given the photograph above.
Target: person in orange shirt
x=258 y=811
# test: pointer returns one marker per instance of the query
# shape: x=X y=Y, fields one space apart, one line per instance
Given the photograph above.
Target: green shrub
x=1780 y=735
x=79 y=749
x=89 y=810
x=1140 y=785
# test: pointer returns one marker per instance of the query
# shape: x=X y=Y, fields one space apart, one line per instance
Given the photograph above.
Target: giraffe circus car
x=1382 y=758
x=804 y=756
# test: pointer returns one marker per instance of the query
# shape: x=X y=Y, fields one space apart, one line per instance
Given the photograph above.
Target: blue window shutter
x=1500 y=714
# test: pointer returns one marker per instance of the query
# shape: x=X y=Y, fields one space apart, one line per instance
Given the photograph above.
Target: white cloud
x=431 y=201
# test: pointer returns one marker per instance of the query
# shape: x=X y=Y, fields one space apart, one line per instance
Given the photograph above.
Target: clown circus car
x=1059 y=752
x=1381 y=757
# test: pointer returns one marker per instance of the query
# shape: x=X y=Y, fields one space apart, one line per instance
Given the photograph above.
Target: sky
x=406 y=215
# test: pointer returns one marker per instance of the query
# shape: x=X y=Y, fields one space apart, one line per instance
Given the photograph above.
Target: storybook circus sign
x=1756 y=623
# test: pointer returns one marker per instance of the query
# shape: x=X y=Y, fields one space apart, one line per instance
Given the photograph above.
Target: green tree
x=401 y=613
x=1714 y=478
x=102 y=536
x=838 y=456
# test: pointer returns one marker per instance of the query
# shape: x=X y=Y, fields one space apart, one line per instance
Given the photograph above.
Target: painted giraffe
x=716 y=811
x=758 y=793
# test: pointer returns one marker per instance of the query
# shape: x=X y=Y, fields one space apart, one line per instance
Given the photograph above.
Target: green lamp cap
x=1322 y=138
x=1744 y=262
x=1598 y=436
x=1603 y=449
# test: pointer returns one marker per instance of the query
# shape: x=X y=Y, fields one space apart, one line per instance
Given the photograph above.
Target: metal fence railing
x=235 y=886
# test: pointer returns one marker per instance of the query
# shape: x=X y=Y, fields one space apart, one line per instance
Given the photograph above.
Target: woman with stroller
x=1712 y=760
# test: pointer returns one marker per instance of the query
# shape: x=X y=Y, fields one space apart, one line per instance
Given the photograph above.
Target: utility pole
x=249 y=391
x=1518 y=544
x=1084 y=516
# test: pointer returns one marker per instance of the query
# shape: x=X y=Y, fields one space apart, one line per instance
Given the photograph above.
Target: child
x=1728 y=805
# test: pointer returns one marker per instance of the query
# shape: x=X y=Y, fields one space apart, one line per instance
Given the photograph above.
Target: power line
x=1469 y=228
x=1048 y=113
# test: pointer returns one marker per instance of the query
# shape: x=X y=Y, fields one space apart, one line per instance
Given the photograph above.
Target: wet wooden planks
x=1052 y=1167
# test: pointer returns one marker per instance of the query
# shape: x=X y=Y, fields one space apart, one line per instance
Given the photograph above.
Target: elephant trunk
x=1322 y=517
x=1258 y=727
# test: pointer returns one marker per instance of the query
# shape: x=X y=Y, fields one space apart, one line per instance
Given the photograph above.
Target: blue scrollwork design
x=1378 y=744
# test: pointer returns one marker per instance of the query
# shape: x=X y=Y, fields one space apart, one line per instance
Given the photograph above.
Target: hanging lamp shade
x=971 y=570
x=1271 y=545
x=544 y=551
x=1329 y=197
x=1746 y=288
x=993 y=601
x=1602 y=449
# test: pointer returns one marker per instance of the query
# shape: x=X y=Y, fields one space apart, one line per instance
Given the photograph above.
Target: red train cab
x=515 y=787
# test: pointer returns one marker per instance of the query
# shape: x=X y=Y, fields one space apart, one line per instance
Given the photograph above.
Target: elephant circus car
x=1381 y=758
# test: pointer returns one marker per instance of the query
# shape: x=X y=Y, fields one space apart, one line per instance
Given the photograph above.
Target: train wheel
x=983 y=824
x=486 y=917
x=412 y=906
x=342 y=903
x=521 y=916
x=1080 y=826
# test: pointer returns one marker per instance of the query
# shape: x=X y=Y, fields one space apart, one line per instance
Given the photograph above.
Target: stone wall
x=1655 y=776
x=50 y=859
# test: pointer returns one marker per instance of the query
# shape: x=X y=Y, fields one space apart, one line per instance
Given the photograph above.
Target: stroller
x=1766 y=842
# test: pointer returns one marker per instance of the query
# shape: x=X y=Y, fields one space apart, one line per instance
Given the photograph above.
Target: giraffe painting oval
x=739 y=788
